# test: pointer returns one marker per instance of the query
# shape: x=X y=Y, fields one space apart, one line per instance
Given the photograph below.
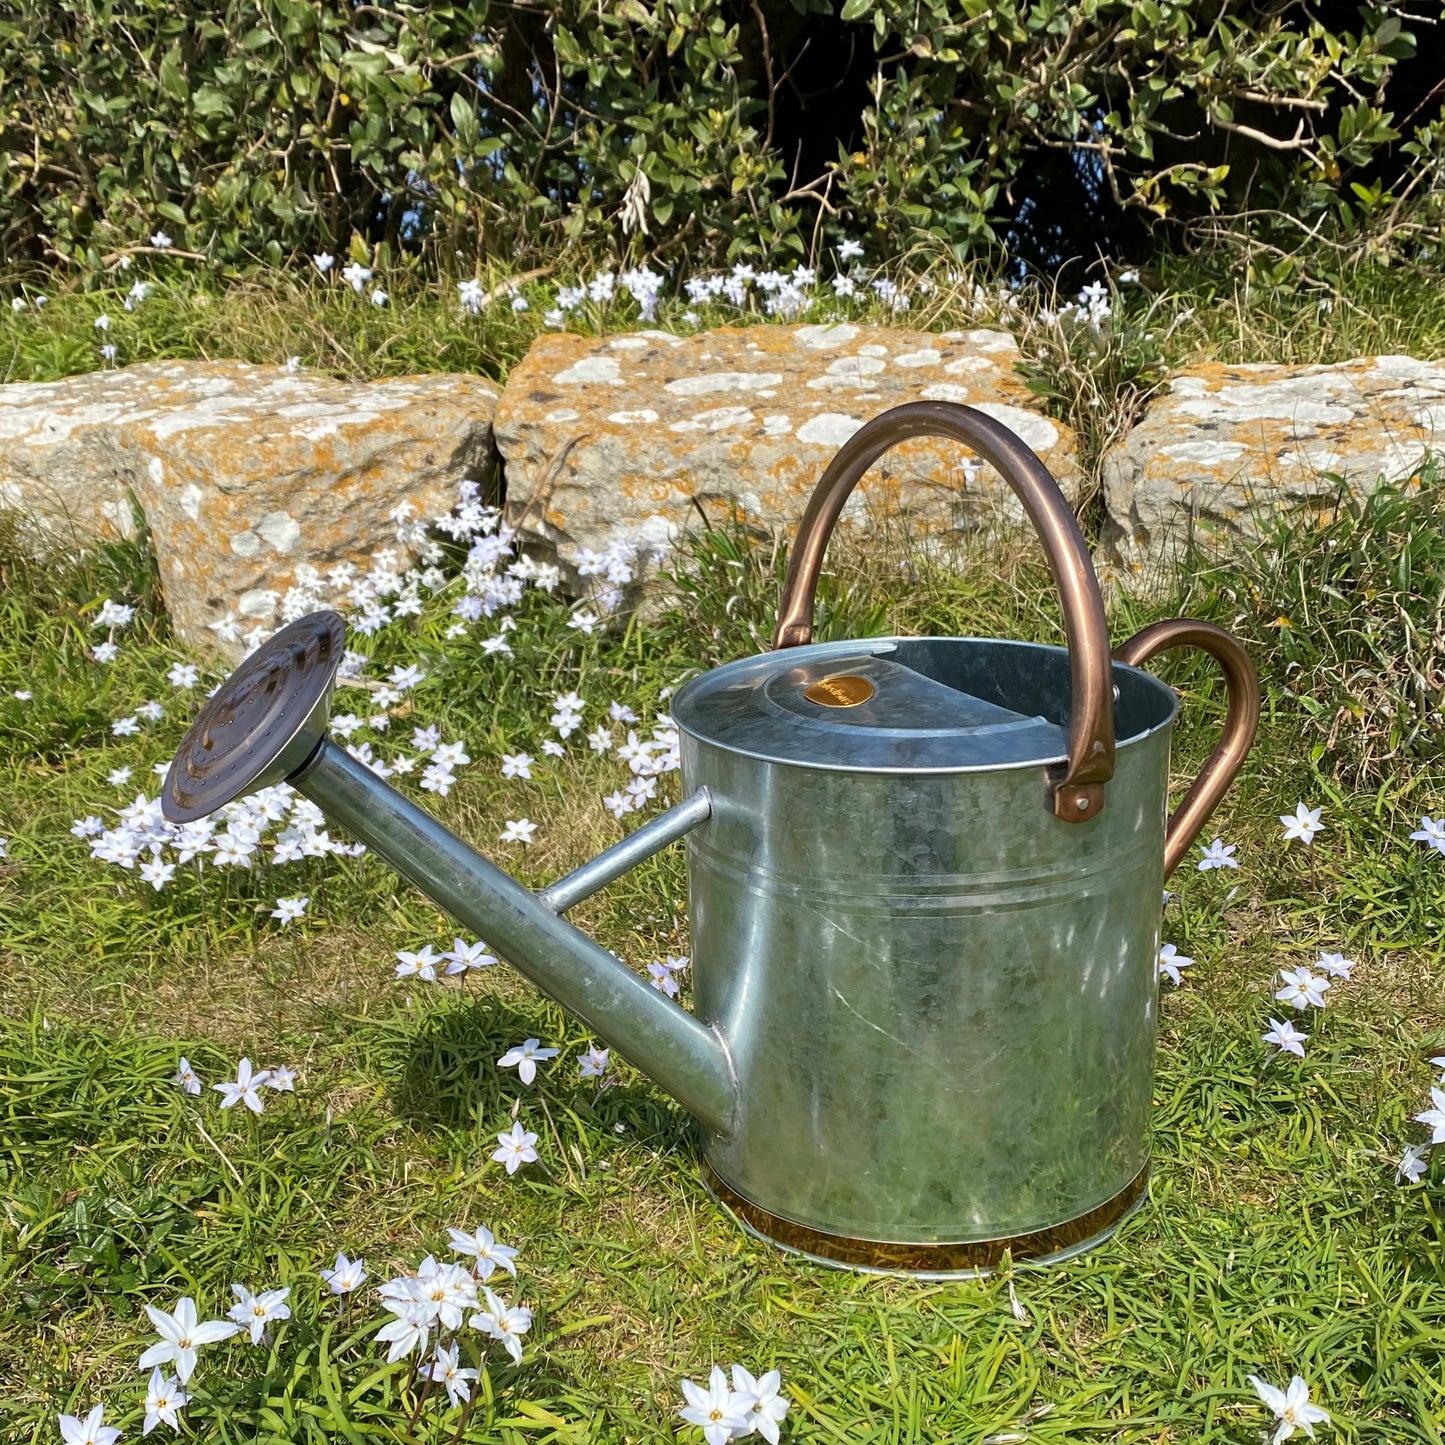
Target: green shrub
x=250 y=130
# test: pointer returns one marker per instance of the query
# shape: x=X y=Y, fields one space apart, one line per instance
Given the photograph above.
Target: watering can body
x=924 y=880
x=940 y=1001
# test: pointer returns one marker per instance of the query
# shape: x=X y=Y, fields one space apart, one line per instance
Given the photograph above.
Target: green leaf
x=208 y=101
x=172 y=77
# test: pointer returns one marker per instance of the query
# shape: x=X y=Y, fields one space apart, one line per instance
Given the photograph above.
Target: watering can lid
x=858 y=705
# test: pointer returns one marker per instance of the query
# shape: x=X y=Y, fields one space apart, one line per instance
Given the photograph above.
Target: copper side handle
x=1239 y=726
x=1078 y=792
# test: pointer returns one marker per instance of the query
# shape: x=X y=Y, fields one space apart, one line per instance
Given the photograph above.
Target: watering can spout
x=267 y=723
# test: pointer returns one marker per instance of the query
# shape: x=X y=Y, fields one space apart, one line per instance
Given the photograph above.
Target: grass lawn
x=1275 y=1239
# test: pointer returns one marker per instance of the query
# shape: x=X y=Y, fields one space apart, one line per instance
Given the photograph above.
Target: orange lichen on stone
x=607 y=438
x=247 y=476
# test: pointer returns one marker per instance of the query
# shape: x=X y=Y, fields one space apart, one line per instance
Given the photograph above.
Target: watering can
x=924 y=881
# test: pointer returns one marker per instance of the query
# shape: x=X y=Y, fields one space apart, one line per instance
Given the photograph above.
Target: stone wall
x=253 y=480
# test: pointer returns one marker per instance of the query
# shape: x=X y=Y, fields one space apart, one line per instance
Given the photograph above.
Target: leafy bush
x=247 y=130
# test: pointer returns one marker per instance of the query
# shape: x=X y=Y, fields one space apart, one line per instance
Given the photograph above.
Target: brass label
x=845 y=690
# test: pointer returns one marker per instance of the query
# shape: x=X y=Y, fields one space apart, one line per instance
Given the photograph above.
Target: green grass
x=1238 y=314
x=1274 y=1239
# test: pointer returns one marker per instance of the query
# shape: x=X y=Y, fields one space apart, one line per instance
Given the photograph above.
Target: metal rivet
x=1082 y=803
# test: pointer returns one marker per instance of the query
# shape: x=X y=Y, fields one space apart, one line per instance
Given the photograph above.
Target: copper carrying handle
x=1239 y=725
x=1078 y=791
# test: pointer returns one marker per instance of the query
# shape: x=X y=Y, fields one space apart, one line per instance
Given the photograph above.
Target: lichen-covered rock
x=623 y=439
x=249 y=477
x=59 y=464
x=1229 y=448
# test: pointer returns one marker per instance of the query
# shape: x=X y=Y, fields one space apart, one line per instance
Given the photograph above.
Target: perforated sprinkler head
x=262 y=724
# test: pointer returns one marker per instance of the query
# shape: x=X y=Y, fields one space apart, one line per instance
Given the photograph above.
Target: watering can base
x=963 y=1260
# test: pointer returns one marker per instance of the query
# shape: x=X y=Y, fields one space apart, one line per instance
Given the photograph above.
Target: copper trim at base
x=968 y=1256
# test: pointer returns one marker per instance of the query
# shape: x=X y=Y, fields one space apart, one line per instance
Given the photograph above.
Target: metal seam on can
x=926 y=1258
x=930 y=891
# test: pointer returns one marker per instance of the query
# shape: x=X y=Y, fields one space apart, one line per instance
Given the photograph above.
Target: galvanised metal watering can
x=924 y=881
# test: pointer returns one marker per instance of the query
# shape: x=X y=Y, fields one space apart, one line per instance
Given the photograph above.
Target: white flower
x=90 y=1431
x=462 y=956
x=516 y=1148
x=181 y=1336
x=288 y=909
x=519 y=303
x=185 y=1076
x=161 y=241
x=446 y=1371
x=404 y=1334
x=101 y=322
x=119 y=778
x=764 y=1405
x=113 y=614
x=1291 y=1407
x=1431 y=831
x=282 y=1078
x=356 y=276
x=720 y=1411
x=242 y=1091
x=323 y=261
x=104 y=652
x=518 y=830
x=524 y=1059
x=422 y=963
x=517 y=765
x=345 y=1275
x=483 y=1247
x=1335 y=964
x=154 y=872
x=109 y=351
x=662 y=979
x=379 y=297
x=1412 y=1166
x=164 y=1400
x=255 y=1311
x=1302 y=988
x=1303 y=823
x=1435 y=1117
x=1285 y=1037
x=1218 y=854
x=451 y=755
x=503 y=1323
x=469 y=293
x=1171 y=961
x=593 y=1064
x=849 y=249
